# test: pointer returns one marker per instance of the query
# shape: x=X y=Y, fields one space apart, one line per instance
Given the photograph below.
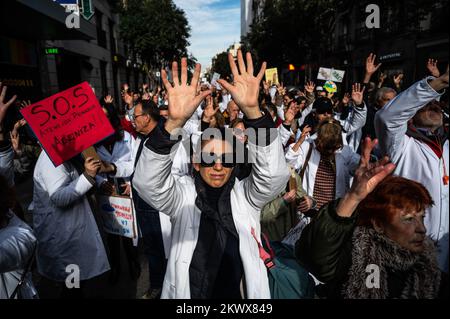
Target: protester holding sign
x=63 y=214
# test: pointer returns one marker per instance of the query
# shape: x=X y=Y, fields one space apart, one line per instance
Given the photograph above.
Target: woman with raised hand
x=214 y=216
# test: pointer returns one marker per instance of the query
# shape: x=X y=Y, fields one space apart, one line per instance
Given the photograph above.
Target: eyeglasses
x=134 y=117
x=210 y=159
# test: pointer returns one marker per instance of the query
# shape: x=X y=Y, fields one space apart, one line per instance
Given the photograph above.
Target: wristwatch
x=314 y=204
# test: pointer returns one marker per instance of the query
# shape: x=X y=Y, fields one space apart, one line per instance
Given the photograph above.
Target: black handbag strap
x=22 y=277
x=305 y=164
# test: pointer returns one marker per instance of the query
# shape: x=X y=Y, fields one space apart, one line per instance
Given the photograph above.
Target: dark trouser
x=150 y=226
x=131 y=254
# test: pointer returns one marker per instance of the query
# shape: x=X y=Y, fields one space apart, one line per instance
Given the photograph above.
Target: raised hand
x=357 y=93
x=24 y=104
x=440 y=83
x=381 y=79
x=398 y=79
x=245 y=88
x=346 y=98
x=432 y=68
x=371 y=68
x=4 y=105
x=281 y=89
x=183 y=97
x=309 y=87
x=306 y=130
x=209 y=111
x=367 y=177
x=108 y=99
x=15 y=137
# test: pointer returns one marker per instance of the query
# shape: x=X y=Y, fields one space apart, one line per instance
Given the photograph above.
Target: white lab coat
x=416 y=160
x=176 y=197
x=64 y=224
x=347 y=162
x=121 y=156
x=166 y=226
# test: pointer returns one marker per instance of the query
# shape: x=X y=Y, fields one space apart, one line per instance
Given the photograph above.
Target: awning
x=41 y=20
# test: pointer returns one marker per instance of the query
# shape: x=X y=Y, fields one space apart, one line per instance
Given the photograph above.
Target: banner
x=214 y=79
x=330 y=74
x=68 y=122
x=117 y=213
x=272 y=76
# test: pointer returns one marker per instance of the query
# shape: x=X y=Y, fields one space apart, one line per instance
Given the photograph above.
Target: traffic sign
x=86 y=9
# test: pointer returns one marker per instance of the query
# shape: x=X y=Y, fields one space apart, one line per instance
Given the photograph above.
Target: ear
x=196 y=166
x=377 y=225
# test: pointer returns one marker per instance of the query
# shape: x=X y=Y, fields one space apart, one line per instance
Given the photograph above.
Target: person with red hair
x=372 y=243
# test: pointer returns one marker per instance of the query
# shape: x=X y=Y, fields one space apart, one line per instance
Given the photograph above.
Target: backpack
x=287 y=279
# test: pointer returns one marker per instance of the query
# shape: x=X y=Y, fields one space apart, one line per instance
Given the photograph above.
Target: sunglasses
x=210 y=159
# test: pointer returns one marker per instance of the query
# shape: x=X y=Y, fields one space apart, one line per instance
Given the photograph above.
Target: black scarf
x=217 y=249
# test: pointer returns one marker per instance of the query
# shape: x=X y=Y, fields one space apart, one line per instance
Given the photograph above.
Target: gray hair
x=382 y=91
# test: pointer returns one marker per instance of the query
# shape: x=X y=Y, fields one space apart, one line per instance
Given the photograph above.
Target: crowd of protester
x=234 y=182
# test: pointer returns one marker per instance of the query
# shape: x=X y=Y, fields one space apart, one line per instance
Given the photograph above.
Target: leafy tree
x=155 y=30
x=220 y=64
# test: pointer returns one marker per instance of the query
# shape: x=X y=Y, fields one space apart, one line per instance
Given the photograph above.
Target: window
x=103 y=77
x=101 y=34
x=112 y=39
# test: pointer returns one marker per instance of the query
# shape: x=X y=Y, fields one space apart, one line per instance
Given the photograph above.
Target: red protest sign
x=68 y=122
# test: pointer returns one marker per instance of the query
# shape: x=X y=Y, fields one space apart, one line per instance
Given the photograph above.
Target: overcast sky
x=215 y=25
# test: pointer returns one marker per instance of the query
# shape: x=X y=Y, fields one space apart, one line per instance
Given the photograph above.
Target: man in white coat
x=408 y=129
x=213 y=252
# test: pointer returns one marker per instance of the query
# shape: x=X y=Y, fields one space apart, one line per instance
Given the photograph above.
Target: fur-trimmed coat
x=356 y=262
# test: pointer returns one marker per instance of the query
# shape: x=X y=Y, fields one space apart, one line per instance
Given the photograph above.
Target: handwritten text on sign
x=118 y=216
x=69 y=122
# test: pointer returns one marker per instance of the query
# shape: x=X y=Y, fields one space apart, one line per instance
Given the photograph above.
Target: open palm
x=369 y=175
x=183 y=98
x=245 y=88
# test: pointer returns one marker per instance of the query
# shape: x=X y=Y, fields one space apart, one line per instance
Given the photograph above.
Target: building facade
x=45 y=56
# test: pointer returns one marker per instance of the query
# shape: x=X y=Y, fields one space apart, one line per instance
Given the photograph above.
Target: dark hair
x=114 y=119
x=291 y=94
x=164 y=108
x=149 y=107
x=273 y=108
x=300 y=99
x=236 y=122
x=323 y=105
x=204 y=139
x=329 y=137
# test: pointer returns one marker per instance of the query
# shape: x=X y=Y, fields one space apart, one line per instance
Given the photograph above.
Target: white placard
x=118 y=215
x=330 y=74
